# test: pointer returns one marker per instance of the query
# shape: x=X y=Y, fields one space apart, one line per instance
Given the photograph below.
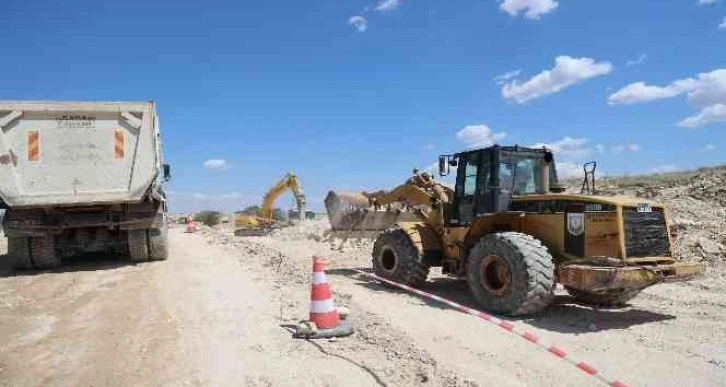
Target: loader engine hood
x=618 y=201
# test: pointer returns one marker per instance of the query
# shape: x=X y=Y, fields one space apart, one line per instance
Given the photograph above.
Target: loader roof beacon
x=509 y=228
x=81 y=177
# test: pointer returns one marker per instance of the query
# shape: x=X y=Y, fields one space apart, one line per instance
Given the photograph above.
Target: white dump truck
x=81 y=177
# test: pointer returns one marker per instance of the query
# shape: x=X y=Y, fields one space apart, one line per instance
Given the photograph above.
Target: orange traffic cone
x=325 y=319
x=190 y=225
x=322 y=308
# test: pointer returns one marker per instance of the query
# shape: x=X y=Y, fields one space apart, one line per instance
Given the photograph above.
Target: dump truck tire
x=158 y=243
x=511 y=273
x=19 y=253
x=138 y=244
x=610 y=298
x=396 y=258
x=43 y=253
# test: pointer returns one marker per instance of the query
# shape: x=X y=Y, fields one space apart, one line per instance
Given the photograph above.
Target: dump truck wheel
x=511 y=273
x=43 y=253
x=19 y=252
x=158 y=243
x=396 y=258
x=610 y=298
x=138 y=245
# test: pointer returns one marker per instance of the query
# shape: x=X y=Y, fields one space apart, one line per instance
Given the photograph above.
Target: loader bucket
x=351 y=213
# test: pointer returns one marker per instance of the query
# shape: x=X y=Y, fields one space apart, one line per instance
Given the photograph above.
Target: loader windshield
x=518 y=172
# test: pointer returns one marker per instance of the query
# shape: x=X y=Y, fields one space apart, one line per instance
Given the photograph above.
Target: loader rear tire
x=43 y=253
x=511 y=273
x=19 y=252
x=396 y=258
x=158 y=243
x=609 y=298
x=138 y=244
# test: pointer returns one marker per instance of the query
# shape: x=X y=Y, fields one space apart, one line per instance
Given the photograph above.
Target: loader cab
x=487 y=179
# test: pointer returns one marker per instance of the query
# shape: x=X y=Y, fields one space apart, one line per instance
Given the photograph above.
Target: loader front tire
x=608 y=298
x=511 y=273
x=396 y=258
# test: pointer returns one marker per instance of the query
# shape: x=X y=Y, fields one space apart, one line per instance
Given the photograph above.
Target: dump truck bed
x=77 y=153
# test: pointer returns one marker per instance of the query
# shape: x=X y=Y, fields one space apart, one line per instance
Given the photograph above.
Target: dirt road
x=215 y=314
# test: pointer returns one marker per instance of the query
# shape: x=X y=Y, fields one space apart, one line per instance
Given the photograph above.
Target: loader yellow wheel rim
x=388 y=260
x=494 y=275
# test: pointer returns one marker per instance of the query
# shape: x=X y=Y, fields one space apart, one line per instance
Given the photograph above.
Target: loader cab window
x=518 y=174
x=468 y=178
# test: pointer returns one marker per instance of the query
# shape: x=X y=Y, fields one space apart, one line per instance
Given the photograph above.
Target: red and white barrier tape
x=511 y=328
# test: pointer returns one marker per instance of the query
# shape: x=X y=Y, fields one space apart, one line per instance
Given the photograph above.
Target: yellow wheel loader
x=512 y=232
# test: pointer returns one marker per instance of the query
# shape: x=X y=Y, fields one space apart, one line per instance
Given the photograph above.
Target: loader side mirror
x=442 y=166
x=167 y=172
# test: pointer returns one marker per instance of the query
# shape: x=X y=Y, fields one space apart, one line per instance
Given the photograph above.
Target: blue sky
x=353 y=94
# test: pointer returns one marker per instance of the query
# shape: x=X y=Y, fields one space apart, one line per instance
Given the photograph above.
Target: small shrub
x=208 y=218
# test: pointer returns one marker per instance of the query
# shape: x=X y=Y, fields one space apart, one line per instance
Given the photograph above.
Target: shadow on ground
x=563 y=315
x=90 y=262
x=291 y=328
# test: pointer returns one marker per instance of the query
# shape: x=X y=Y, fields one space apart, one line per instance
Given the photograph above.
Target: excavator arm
x=288 y=182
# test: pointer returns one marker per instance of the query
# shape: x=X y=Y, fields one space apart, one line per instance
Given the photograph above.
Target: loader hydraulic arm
x=288 y=182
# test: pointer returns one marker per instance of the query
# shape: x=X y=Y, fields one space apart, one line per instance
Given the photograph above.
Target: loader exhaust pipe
x=544 y=173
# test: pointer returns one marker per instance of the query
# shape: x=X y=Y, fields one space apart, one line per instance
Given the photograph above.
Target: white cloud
x=568 y=169
x=428 y=147
x=665 y=168
x=706 y=92
x=566 y=72
x=217 y=164
x=708 y=148
x=479 y=136
x=388 y=5
x=723 y=24
x=600 y=148
x=532 y=9
x=707 y=115
x=708 y=2
x=620 y=148
x=503 y=78
x=358 y=22
x=637 y=61
x=639 y=92
x=567 y=146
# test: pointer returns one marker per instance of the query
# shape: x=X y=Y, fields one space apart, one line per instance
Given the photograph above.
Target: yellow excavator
x=262 y=222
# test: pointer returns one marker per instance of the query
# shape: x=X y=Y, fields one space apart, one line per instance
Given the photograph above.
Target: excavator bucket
x=351 y=215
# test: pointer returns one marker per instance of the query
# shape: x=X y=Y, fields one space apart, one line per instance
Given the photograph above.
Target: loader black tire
x=609 y=299
x=396 y=258
x=158 y=243
x=511 y=273
x=19 y=253
x=138 y=245
x=43 y=252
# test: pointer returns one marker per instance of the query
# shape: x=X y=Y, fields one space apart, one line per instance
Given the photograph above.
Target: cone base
x=345 y=328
